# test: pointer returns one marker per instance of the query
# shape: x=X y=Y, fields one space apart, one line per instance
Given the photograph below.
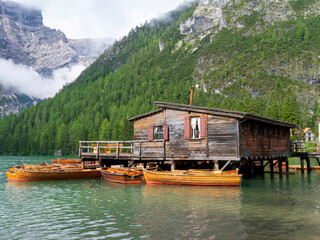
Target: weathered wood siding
x=259 y=139
x=141 y=125
x=152 y=149
x=222 y=136
x=178 y=146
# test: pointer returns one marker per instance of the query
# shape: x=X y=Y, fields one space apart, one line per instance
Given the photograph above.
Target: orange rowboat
x=194 y=177
x=123 y=175
x=298 y=167
x=66 y=161
x=18 y=173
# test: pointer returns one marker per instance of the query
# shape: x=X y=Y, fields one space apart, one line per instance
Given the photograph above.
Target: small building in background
x=306 y=135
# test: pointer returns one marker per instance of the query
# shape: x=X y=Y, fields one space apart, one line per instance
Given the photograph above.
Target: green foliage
x=299 y=5
x=250 y=20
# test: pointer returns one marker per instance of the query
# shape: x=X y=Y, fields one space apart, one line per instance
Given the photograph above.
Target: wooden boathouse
x=185 y=136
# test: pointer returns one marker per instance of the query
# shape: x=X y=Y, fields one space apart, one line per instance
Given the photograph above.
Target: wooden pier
x=138 y=151
x=305 y=151
x=143 y=151
x=185 y=136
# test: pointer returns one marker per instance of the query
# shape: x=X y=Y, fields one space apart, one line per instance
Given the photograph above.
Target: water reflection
x=281 y=207
x=197 y=211
x=266 y=207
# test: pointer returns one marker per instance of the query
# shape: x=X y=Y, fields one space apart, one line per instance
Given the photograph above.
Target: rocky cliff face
x=12 y=102
x=250 y=18
x=25 y=40
x=213 y=15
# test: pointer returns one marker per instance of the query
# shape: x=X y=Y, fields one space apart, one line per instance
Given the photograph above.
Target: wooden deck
x=126 y=153
x=137 y=150
x=154 y=151
x=305 y=151
x=122 y=150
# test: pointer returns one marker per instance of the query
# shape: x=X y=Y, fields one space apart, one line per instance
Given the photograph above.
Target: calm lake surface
x=286 y=207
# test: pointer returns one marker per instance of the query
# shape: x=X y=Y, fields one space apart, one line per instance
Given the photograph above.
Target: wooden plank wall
x=222 y=136
x=178 y=146
x=150 y=149
x=141 y=125
x=262 y=139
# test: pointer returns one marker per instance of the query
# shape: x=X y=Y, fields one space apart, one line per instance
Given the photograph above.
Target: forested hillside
x=155 y=62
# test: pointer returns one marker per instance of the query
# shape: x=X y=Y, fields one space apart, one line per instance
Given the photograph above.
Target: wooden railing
x=122 y=149
x=305 y=147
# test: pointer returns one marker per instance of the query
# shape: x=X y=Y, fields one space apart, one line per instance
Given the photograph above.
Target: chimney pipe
x=191 y=95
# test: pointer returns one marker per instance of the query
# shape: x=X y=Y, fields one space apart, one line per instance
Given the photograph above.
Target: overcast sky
x=80 y=19
x=100 y=18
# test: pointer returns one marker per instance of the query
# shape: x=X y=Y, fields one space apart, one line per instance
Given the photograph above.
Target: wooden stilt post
x=287 y=164
x=227 y=163
x=216 y=165
x=252 y=168
x=309 y=168
x=271 y=167
x=302 y=165
x=318 y=161
x=261 y=167
x=280 y=166
x=173 y=165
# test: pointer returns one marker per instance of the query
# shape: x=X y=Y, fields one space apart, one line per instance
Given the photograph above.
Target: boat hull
x=298 y=167
x=66 y=161
x=47 y=175
x=122 y=176
x=197 y=178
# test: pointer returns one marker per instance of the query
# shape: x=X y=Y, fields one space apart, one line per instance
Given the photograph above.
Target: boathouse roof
x=212 y=111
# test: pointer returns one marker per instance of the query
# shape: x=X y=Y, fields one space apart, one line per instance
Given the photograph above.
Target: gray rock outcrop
x=25 y=40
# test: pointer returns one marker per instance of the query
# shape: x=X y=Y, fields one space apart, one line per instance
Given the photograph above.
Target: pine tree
x=290 y=108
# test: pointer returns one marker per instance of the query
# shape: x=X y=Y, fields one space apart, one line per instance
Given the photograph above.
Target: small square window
x=158 y=132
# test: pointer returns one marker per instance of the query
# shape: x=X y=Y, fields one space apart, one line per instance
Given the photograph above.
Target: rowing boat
x=298 y=167
x=66 y=161
x=194 y=177
x=123 y=175
x=38 y=173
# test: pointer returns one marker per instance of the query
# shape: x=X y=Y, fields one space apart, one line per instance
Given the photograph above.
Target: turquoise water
x=286 y=207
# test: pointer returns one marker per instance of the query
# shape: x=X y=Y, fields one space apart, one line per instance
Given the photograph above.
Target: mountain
x=25 y=40
x=12 y=102
x=253 y=56
x=274 y=27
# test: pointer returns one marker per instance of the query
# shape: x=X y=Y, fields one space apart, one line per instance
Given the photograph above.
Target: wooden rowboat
x=66 y=161
x=123 y=175
x=298 y=167
x=194 y=177
x=19 y=173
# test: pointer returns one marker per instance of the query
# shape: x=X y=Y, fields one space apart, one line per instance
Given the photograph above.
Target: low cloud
x=26 y=80
x=100 y=18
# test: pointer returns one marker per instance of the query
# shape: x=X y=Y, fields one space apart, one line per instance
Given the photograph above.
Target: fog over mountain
x=36 y=60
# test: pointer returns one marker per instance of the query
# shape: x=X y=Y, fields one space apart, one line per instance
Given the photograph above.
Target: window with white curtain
x=195 y=127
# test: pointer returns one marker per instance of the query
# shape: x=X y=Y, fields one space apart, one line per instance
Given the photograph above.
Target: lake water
x=286 y=207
